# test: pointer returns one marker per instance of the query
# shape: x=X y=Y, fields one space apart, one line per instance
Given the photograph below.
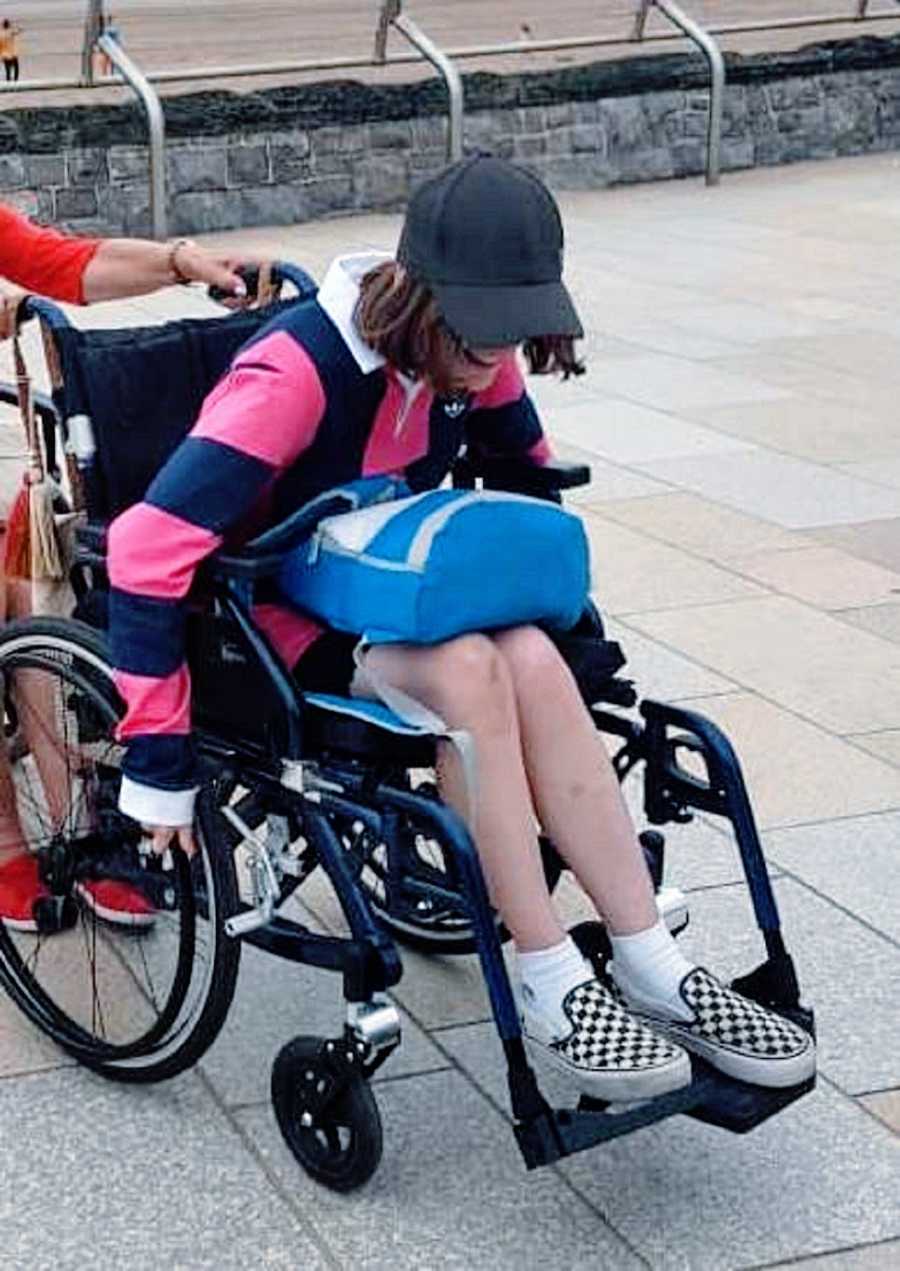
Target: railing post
x=93 y=26
x=392 y=15
x=150 y=101
x=640 y=19
x=717 y=82
x=861 y=6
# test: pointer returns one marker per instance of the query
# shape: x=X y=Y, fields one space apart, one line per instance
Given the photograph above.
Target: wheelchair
x=293 y=783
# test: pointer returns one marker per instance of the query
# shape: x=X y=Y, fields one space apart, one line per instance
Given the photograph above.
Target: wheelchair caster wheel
x=327 y=1114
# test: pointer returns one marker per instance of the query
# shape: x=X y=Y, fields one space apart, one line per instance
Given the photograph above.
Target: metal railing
x=391 y=15
x=713 y=55
x=156 y=122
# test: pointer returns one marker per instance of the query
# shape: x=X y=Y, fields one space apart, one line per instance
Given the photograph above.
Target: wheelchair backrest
x=142 y=389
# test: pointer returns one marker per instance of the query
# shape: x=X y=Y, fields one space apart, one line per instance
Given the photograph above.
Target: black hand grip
x=250 y=276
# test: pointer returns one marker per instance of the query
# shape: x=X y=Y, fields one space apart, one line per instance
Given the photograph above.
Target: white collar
x=338 y=296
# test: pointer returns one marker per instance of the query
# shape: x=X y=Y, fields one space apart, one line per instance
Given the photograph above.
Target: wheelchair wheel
x=137 y=1002
x=338 y=1141
x=413 y=891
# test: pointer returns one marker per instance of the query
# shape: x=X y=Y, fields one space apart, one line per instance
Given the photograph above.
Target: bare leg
x=466 y=681
x=573 y=784
x=36 y=704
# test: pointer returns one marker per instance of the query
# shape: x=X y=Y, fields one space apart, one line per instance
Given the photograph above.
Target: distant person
x=9 y=49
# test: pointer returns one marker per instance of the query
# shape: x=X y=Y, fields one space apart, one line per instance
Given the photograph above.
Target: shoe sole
x=20 y=924
x=615 y=1087
x=115 y=917
x=773 y=1074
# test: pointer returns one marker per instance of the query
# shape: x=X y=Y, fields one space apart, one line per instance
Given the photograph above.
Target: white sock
x=649 y=967
x=547 y=975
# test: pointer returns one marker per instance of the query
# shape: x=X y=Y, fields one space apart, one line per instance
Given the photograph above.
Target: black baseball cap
x=486 y=238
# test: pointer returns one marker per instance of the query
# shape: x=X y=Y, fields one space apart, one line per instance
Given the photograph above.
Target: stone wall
x=289 y=155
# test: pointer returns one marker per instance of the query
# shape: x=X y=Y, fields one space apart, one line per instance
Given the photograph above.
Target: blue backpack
x=427 y=567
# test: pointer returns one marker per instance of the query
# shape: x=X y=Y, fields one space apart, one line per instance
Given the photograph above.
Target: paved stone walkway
x=740 y=416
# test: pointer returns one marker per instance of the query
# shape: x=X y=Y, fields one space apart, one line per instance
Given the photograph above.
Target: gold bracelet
x=172 y=262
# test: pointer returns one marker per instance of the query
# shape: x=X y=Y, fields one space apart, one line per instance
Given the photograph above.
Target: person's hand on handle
x=10 y=299
x=191 y=263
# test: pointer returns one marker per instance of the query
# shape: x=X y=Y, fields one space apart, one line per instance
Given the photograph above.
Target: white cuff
x=152 y=806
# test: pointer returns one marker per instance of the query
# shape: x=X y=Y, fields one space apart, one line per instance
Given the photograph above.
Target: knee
x=530 y=655
x=474 y=683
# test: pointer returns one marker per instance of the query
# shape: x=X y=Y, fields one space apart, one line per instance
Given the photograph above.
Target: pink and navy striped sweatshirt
x=304 y=406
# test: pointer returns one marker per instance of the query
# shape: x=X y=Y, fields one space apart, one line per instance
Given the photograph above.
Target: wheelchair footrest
x=710 y=1097
x=738 y=1107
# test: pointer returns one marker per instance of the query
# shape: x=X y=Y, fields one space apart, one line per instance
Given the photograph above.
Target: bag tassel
x=32 y=549
x=45 y=551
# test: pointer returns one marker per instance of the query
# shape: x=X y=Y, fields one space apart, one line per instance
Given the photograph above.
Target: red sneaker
x=116 y=902
x=20 y=887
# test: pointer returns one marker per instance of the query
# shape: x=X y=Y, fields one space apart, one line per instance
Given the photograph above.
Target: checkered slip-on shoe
x=610 y=1054
x=735 y=1035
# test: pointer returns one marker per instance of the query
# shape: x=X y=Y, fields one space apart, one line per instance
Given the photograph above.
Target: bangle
x=172 y=260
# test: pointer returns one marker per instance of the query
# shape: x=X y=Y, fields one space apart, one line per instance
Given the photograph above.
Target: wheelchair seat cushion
x=364 y=729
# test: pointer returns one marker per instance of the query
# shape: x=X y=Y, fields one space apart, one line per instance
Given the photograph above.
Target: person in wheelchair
x=390 y=369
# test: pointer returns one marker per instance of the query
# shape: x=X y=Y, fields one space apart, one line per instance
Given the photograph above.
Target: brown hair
x=399 y=318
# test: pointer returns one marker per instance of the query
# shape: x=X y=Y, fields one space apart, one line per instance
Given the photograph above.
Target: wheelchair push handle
x=249 y=275
x=280 y=272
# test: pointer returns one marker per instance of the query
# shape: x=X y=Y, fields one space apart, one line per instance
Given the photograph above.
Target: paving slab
x=22 y=1048
x=791 y=654
x=108 y=1175
x=770 y=364
x=702 y=527
x=791 y=492
x=632 y=573
x=884 y=745
x=853 y=862
x=875 y=540
x=885 y=1105
x=451 y=1192
x=658 y=672
x=822 y=1175
x=883 y=1256
x=664 y=382
x=824 y=577
x=808 y=428
x=885 y=470
x=624 y=432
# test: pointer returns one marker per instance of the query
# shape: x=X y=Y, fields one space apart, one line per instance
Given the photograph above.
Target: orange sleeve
x=43 y=260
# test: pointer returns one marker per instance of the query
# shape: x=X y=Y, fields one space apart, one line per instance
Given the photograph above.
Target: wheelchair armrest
x=265 y=554
x=518 y=476
x=262 y=556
